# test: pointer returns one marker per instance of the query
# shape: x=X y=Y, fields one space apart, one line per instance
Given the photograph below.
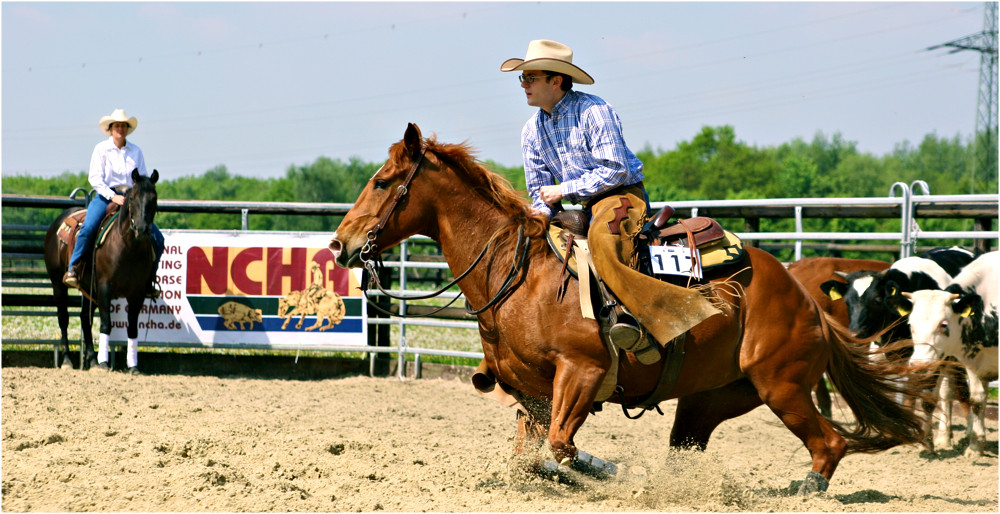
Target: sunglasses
x=528 y=79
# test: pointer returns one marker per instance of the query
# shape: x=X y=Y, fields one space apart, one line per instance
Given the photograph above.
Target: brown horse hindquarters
x=766 y=324
x=783 y=331
x=775 y=360
x=57 y=257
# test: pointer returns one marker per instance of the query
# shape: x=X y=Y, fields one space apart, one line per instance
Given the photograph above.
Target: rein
x=523 y=246
x=374 y=265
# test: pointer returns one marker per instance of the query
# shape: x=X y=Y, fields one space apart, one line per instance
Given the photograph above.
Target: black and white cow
x=961 y=322
x=873 y=298
x=952 y=260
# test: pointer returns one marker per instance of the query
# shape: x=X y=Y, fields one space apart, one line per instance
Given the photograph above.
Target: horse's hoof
x=584 y=463
x=100 y=366
x=89 y=363
x=590 y=465
x=814 y=483
x=135 y=371
x=66 y=363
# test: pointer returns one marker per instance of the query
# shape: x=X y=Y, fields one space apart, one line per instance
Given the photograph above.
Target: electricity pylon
x=985 y=42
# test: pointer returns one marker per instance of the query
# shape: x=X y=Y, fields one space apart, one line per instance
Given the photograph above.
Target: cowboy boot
x=71 y=278
x=625 y=333
x=153 y=288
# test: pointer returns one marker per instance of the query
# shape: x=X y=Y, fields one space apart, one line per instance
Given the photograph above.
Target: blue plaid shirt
x=579 y=146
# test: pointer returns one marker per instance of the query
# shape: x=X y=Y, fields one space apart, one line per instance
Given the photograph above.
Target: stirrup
x=625 y=336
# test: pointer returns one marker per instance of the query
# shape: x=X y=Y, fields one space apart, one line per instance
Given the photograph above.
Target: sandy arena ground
x=90 y=441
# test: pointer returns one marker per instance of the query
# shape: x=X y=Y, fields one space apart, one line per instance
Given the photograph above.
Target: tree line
x=713 y=165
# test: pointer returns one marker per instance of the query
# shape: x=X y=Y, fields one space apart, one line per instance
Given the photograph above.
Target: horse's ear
x=155 y=176
x=412 y=139
x=135 y=175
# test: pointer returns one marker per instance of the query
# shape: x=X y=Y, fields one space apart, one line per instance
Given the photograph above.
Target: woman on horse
x=573 y=149
x=111 y=167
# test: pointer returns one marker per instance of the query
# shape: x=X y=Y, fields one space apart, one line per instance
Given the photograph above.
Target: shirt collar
x=561 y=105
x=111 y=141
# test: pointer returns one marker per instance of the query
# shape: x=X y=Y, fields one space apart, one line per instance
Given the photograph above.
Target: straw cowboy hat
x=547 y=55
x=117 y=116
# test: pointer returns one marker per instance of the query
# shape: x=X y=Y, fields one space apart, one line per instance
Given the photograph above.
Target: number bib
x=675 y=260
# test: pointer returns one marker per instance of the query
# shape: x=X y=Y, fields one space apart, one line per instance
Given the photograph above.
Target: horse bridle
x=373 y=263
x=126 y=192
x=370 y=247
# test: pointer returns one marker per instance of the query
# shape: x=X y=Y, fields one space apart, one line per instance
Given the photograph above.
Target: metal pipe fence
x=906 y=207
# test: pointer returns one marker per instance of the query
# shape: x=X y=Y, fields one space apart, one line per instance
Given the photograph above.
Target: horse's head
x=395 y=203
x=140 y=203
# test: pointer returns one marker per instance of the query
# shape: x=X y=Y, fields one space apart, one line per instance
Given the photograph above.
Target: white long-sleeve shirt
x=111 y=166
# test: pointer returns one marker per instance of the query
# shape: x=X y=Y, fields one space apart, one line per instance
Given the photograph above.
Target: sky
x=262 y=86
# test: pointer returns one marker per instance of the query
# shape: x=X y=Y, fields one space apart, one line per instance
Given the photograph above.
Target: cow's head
x=872 y=298
x=943 y=324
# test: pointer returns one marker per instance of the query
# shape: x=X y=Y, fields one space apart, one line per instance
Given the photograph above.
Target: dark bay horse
x=769 y=346
x=124 y=267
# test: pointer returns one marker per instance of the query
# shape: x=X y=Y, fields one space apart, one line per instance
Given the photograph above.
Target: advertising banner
x=255 y=288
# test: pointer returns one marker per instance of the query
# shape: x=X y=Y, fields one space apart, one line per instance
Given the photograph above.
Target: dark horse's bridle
x=371 y=257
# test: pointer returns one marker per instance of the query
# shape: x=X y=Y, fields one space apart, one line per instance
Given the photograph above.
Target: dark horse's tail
x=870 y=390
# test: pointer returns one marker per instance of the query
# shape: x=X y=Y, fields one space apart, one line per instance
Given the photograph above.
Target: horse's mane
x=492 y=186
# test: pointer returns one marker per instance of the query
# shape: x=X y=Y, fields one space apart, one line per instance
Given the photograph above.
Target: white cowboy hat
x=117 y=116
x=547 y=55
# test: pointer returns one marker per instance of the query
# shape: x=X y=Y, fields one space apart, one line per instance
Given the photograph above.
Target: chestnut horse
x=124 y=267
x=769 y=345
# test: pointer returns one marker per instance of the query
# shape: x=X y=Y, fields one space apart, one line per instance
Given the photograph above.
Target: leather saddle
x=71 y=225
x=717 y=246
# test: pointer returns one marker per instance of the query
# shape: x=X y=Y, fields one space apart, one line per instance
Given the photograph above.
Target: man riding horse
x=573 y=149
x=111 y=166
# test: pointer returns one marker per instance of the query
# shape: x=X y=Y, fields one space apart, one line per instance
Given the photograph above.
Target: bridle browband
x=373 y=262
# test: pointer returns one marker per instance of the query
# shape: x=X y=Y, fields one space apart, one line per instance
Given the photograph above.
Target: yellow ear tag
x=834 y=294
x=902 y=311
x=967 y=312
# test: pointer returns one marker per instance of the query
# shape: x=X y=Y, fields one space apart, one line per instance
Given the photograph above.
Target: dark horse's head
x=140 y=203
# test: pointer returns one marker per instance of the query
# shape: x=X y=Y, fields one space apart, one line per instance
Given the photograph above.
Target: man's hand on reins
x=551 y=195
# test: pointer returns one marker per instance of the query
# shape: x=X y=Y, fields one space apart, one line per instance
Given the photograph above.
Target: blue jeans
x=85 y=238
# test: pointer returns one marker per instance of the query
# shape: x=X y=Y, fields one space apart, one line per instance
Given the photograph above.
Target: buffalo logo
x=235 y=312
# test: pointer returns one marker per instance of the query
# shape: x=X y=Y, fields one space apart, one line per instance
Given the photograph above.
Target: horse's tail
x=871 y=388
